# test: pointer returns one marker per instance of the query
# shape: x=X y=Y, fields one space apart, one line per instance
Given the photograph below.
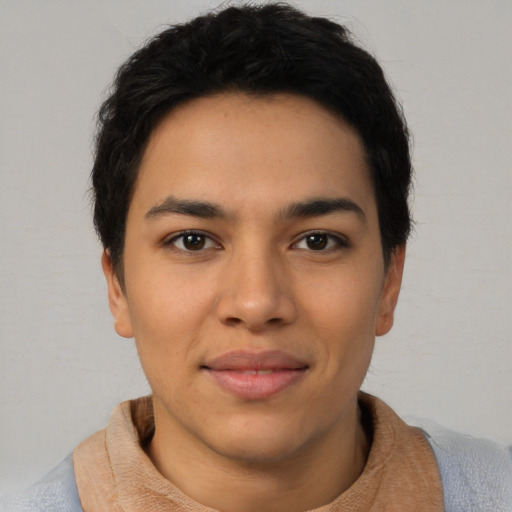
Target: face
x=254 y=281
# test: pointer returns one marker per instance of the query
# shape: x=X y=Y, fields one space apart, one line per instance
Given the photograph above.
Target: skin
x=257 y=283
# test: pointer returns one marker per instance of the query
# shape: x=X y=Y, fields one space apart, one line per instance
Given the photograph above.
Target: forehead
x=232 y=148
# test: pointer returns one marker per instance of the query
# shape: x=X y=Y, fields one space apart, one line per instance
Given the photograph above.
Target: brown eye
x=321 y=241
x=317 y=242
x=194 y=242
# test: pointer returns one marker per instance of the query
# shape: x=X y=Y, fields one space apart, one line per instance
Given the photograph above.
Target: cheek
x=160 y=295
x=344 y=305
x=167 y=311
x=343 y=316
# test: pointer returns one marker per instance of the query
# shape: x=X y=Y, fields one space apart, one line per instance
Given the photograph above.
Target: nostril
x=233 y=321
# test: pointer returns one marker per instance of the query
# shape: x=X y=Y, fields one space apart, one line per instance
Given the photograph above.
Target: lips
x=256 y=375
x=246 y=360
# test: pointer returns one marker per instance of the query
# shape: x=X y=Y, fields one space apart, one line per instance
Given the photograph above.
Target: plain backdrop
x=62 y=367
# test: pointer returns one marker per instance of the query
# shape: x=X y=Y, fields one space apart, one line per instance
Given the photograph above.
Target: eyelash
x=333 y=241
x=171 y=241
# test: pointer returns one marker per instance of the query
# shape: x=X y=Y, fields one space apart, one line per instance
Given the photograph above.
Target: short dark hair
x=266 y=49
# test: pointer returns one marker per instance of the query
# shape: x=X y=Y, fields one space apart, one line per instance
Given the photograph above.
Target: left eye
x=192 y=242
x=319 y=242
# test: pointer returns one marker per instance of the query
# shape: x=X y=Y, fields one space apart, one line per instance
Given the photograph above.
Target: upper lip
x=248 y=360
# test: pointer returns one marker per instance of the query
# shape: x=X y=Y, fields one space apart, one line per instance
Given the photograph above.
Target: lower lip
x=256 y=386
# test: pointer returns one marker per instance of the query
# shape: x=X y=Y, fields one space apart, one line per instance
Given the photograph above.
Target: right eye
x=192 y=241
x=321 y=241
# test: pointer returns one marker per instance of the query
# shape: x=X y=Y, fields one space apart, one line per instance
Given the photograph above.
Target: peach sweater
x=114 y=474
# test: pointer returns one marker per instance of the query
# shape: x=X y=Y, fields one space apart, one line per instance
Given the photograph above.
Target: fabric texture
x=114 y=473
x=56 y=492
x=476 y=475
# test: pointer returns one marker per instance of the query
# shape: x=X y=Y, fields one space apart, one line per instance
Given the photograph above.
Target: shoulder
x=56 y=492
x=476 y=473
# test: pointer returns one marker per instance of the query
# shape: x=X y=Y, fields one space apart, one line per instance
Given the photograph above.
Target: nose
x=256 y=292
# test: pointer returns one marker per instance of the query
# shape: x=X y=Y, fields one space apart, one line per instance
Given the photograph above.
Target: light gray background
x=62 y=367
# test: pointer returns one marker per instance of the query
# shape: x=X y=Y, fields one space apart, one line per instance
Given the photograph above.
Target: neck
x=312 y=476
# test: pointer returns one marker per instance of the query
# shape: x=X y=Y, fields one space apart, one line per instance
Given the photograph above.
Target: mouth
x=256 y=375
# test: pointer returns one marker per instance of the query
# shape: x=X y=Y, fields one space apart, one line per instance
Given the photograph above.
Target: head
x=251 y=193
x=260 y=51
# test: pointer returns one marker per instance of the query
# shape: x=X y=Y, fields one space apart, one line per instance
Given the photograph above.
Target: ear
x=116 y=299
x=390 y=292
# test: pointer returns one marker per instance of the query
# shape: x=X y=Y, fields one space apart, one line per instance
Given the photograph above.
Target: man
x=251 y=183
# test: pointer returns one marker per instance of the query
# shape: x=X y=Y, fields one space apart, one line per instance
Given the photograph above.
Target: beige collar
x=114 y=473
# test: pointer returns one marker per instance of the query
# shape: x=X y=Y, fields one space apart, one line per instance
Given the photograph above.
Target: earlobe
x=390 y=292
x=116 y=299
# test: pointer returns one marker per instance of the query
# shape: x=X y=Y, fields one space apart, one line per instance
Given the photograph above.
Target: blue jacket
x=476 y=476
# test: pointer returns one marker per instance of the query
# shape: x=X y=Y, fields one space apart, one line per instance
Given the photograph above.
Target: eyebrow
x=303 y=209
x=322 y=206
x=201 y=209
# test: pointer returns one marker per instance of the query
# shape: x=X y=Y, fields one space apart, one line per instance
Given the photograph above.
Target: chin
x=252 y=452
x=261 y=443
